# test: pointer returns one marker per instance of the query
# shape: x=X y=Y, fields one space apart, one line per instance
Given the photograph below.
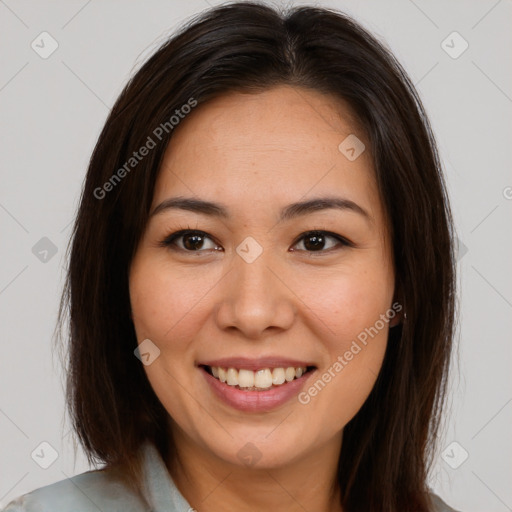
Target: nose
x=255 y=299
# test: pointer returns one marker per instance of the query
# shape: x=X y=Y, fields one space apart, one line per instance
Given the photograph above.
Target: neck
x=211 y=484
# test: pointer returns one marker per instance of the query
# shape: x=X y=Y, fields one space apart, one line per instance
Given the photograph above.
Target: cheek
x=166 y=302
x=167 y=309
x=350 y=304
x=347 y=303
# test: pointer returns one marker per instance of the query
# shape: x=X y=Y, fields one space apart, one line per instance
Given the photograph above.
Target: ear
x=397 y=307
x=397 y=319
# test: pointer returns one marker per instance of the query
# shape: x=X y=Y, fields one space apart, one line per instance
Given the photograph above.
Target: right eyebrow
x=289 y=212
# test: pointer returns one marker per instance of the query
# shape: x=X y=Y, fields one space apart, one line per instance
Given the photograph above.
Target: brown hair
x=249 y=47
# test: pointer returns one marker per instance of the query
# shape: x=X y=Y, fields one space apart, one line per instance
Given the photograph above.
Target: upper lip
x=245 y=363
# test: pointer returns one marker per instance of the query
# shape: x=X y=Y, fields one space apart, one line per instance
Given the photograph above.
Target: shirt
x=100 y=490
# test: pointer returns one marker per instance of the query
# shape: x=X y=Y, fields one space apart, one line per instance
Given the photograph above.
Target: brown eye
x=320 y=241
x=190 y=241
x=197 y=241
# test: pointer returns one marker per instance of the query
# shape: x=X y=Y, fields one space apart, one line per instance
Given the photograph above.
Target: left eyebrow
x=322 y=203
x=287 y=213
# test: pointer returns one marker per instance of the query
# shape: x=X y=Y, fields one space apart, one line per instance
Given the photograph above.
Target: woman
x=261 y=279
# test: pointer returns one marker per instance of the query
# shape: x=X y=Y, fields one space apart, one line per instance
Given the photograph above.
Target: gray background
x=52 y=110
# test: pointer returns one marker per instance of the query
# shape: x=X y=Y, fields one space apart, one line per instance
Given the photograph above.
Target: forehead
x=280 y=144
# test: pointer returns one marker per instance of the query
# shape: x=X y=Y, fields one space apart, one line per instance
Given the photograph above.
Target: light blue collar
x=162 y=493
x=159 y=488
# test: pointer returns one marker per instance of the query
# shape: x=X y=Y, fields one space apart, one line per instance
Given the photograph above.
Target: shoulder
x=438 y=505
x=90 y=491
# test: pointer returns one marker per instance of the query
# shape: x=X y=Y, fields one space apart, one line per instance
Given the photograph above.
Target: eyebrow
x=287 y=213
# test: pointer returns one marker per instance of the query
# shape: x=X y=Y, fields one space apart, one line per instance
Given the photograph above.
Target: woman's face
x=253 y=291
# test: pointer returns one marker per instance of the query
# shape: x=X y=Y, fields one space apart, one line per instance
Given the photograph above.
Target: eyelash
x=169 y=241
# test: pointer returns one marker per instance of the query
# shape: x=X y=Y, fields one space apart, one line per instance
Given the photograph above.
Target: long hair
x=250 y=47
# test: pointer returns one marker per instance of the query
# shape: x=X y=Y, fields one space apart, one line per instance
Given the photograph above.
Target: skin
x=256 y=154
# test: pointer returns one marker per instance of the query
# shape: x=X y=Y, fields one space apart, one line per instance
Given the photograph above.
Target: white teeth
x=261 y=379
x=232 y=377
x=289 y=374
x=245 y=378
x=278 y=376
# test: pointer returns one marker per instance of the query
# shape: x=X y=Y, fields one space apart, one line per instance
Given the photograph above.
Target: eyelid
x=169 y=241
x=341 y=239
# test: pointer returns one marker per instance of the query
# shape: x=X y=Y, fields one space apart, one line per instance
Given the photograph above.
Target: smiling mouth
x=260 y=380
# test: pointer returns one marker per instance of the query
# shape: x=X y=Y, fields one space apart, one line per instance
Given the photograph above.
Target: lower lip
x=256 y=401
